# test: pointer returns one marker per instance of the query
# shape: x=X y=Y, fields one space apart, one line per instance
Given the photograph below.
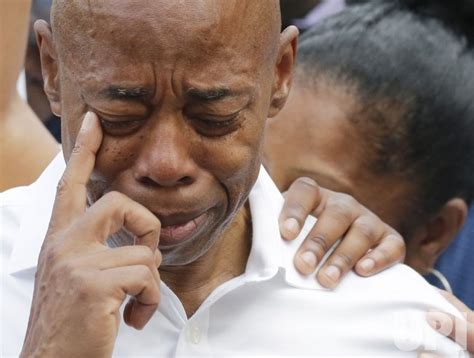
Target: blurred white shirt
x=270 y=310
x=21 y=86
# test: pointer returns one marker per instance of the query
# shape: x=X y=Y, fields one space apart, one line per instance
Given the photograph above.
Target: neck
x=226 y=259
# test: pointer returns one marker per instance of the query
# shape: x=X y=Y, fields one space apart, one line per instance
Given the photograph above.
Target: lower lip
x=175 y=234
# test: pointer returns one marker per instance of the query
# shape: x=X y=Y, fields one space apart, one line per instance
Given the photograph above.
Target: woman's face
x=313 y=136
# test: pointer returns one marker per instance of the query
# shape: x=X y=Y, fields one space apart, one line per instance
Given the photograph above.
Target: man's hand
x=458 y=330
x=80 y=282
x=339 y=216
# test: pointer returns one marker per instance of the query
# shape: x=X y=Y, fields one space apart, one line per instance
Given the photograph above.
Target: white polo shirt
x=270 y=310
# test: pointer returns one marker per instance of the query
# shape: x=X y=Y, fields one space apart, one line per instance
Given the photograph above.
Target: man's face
x=182 y=95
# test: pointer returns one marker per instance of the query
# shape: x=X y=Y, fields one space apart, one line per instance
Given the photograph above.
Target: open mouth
x=181 y=231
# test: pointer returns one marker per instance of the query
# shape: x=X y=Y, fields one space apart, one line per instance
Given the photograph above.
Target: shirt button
x=195 y=335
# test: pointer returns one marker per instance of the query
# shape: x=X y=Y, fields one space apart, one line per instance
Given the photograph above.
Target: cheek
x=235 y=160
x=115 y=157
x=117 y=154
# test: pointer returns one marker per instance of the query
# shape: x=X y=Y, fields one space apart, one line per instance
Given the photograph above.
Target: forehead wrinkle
x=226 y=19
x=87 y=32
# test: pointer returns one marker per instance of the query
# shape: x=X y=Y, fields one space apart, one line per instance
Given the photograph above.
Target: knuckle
x=341 y=210
x=69 y=274
x=144 y=275
x=66 y=269
x=82 y=285
x=343 y=260
x=80 y=147
x=366 y=228
x=77 y=149
x=399 y=243
x=297 y=210
x=397 y=240
x=155 y=225
x=307 y=183
x=158 y=257
x=349 y=201
x=51 y=254
x=318 y=243
x=114 y=196
x=63 y=185
x=383 y=257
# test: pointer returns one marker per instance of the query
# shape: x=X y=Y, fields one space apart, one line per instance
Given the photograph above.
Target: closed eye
x=216 y=126
x=121 y=127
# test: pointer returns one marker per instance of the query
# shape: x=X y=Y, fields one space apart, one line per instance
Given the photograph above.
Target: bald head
x=255 y=24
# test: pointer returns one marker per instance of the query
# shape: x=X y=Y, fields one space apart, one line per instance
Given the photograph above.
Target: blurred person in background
x=382 y=109
x=306 y=13
x=26 y=146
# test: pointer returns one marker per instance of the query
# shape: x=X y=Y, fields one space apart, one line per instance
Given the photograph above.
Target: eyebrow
x=126 y=93
x=214 y=94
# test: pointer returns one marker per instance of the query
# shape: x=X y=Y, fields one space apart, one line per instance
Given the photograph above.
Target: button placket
x=195 y=334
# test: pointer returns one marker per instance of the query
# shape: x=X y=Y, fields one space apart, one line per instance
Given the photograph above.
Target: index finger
x=301 y=199
x=71 y=193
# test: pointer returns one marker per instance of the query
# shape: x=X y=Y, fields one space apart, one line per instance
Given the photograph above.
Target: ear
x=49 y=65
x=430 y=240
x=284 y=69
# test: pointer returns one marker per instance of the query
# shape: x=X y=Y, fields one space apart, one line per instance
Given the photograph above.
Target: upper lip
x=179 y=218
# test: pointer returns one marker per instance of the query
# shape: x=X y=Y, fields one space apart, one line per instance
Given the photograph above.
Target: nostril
x=186 y=180
x=147 y=181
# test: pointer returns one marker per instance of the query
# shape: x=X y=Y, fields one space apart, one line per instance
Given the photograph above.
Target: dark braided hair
x=411 y=66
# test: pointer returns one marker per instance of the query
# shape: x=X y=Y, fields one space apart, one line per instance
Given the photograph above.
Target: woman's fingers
x=364 y=233
x=366 y=242
x=390 y=250
x=333 y=222
x=301 y=199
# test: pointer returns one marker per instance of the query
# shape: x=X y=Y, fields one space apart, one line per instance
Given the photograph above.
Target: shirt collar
x=268 y=255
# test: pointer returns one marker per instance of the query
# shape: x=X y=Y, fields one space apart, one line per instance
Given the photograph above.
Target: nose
x=165 y=159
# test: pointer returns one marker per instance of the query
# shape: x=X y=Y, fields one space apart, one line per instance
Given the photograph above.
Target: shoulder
x=399 y=283
x=390 y=307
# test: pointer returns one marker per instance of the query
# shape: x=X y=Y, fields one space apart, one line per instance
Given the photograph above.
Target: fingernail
x=433 y=319
x=333 y=272
x=88 y=121
x=291 y=226
x=367 y=265
x=309 y=258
